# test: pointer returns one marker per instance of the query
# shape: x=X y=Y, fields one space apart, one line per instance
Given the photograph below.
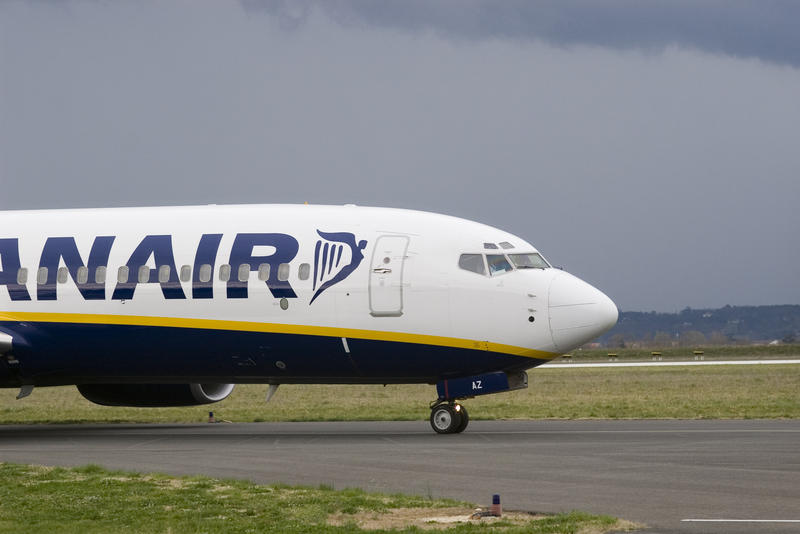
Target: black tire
x=464 y=419
x=445 y=419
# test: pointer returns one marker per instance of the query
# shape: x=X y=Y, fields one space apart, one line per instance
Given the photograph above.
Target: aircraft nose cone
x=579 y=312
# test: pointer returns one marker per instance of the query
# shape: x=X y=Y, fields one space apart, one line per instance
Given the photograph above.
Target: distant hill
x=731 y=324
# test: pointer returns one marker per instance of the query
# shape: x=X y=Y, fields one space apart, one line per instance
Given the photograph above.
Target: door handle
x=381 y=270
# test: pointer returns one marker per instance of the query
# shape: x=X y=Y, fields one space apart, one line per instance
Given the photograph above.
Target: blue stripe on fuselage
x=68 y=353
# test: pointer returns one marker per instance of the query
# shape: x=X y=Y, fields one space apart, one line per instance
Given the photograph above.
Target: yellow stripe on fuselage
x=273 y=328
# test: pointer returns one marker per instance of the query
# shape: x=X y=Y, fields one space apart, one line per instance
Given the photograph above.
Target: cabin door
x=386 y=276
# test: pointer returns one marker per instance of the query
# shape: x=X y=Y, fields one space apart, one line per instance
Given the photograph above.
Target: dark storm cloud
x=767 y=30
x=667 y=178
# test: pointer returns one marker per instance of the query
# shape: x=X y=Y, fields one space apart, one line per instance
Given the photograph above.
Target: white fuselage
x=357 y=280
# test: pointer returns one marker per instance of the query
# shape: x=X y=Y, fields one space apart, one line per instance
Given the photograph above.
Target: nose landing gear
x=449 y=417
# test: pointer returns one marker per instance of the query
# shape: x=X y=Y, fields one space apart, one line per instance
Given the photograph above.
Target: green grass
x=749 y=392
x=723 y=352
x=93 y=500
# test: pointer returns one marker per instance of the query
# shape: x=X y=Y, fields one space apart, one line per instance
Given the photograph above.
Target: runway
x=659 y=473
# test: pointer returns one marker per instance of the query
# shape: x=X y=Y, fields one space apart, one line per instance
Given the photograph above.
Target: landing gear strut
x=449 y=418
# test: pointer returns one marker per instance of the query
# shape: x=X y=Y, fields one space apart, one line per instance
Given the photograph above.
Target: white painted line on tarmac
x=676 y=431
x=668 y=364
x=740 y=520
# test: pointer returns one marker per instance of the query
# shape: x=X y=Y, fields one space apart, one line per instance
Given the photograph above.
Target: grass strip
x=94 y=500
x=719 y=352
x=719 y=392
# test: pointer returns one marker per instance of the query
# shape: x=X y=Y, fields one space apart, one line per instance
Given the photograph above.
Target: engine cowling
x=154 y=395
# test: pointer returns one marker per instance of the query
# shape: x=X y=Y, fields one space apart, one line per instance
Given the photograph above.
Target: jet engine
x=154 y=395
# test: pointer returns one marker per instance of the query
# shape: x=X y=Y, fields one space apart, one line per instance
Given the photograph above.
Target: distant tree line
x=694 y=328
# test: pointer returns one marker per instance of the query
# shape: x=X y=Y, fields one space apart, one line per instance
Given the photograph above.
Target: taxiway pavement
x=659 y=473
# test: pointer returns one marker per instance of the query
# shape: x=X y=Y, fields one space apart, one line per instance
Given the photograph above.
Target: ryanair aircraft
x=172 y=306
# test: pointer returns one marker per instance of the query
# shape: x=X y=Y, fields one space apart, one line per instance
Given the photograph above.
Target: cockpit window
x=473 y=263
x=528 y=261
x=498 y=264
x=490 y=246
x=506 y=245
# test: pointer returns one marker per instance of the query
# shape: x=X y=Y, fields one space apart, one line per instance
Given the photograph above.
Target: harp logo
x=336 y=256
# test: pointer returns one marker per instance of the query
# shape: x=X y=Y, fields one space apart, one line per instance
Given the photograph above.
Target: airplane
x=173 y=306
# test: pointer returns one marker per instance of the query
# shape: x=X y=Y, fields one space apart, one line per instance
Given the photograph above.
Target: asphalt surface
x=654 y=472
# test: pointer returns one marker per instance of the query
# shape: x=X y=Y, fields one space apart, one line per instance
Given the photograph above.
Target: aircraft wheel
x=464 y=419
x=445 y=419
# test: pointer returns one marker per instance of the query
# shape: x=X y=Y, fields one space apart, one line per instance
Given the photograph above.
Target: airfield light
x=496 y=509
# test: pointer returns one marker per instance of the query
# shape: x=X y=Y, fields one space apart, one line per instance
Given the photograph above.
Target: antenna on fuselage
x=271 y=391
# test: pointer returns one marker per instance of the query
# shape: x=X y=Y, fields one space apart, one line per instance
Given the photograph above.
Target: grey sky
x=648 y=147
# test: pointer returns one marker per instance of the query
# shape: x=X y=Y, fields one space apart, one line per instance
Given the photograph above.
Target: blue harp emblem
x=336 y=256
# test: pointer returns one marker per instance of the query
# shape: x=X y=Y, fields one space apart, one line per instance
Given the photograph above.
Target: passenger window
x=473 y=263
x=22 y=276
x=303 y=271
x=205 y=273
x=498 y=264
x=122 y=274
x=62 y=275
x=83 y=275
x=186 y=273
x=263 y=272
x=163 y=274
x=41 y=276
x=144 y=274
x=283 y=272
x=244 y=272
x=100 y=275
x=224 y=272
